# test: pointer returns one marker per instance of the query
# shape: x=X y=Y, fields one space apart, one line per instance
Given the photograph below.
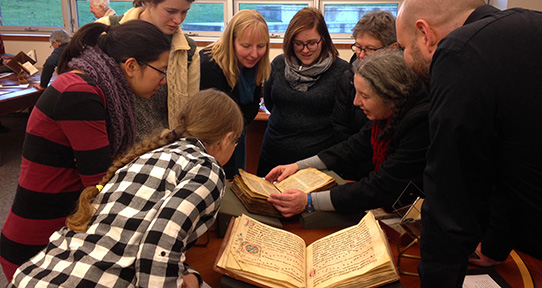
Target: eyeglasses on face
x=368 y=51
x=164 y=73
x=311 y=45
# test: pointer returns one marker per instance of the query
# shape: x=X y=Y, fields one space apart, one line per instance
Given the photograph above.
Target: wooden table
x=18 y=98
x=519 y=271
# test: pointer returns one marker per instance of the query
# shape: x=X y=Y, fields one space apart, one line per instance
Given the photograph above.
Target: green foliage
x=29 y=12
x=205 y=13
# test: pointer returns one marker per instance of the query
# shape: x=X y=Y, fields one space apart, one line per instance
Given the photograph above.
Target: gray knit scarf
x=118 y=96
x=301 y=78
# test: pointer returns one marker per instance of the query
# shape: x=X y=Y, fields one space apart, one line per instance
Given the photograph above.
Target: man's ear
x=130 y=67
x=429 y=39
x=394 y=45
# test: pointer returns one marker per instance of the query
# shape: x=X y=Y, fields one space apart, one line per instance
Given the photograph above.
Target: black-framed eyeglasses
x=368 y=51
x=311 y=45
x=164 y=73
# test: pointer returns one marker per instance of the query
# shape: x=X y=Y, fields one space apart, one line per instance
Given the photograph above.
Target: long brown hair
x=208 y=116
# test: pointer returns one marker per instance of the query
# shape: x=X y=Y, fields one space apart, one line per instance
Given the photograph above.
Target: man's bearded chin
x=421 y=67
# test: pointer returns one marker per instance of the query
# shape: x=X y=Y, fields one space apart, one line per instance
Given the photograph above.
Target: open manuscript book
x=358 y=256
x=253 y=191
x=307 y=180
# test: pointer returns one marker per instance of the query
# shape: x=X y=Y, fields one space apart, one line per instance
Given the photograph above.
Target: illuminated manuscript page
x=306 y=180
x=258 y=185
x=258 y=249
x=347 y=253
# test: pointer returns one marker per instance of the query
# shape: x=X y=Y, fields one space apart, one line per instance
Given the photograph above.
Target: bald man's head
x=445 y=15
x=421 y=24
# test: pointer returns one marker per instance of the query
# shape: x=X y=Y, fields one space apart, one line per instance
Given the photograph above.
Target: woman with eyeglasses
x=183 y=73
x=395 y=141
x=374 y=32
x=300 y=92
x=238 y=64
x=82 y=121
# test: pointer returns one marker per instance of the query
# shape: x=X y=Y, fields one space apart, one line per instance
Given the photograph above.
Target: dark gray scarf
x=118 y=96
x=301 y=78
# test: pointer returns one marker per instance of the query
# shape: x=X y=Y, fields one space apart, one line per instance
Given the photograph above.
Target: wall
x=529 y=4
x=501 y=4
x=43 y=51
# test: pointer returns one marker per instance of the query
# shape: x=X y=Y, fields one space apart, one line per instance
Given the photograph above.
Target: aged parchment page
x=257 y=249
x=306 y=180
x=258 y=185
x=347 y=253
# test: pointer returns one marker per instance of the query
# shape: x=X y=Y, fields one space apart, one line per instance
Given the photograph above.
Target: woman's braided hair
x=208 y=116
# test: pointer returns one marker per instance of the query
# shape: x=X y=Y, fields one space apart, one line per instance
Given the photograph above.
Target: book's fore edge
x=252 y=204
x=390 y=254
x=221 y=251
x=384 y=238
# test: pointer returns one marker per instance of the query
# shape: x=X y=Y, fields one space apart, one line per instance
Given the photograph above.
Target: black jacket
x=406 y=162
x=50 y=65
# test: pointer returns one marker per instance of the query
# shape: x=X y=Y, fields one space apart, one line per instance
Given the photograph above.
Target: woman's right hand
x=280 y=172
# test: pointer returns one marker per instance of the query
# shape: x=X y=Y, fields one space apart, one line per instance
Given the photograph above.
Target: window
x=83 y=15
x=277 y=16
x=341 y=18
x=206 y=18
x=33 y=16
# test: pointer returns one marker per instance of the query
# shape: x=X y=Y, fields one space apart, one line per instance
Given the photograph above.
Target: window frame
x=74 y=19
x=70 y=17
x=228 y=14
x=344 y=37
x=237 y=3
x=66 y=16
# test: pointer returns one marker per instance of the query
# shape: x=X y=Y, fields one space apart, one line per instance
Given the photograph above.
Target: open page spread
x=258 y=185
x=257 y=249
x=348 y=254
x=306 y=180
x=358 y=256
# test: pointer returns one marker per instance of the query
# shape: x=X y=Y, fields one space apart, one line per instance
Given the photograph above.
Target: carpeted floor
x=11 y=143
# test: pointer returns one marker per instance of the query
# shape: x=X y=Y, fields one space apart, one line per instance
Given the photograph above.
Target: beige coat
x=183 y=81
x=110 y=12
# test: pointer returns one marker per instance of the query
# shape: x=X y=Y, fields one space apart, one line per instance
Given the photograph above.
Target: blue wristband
x=309 y=207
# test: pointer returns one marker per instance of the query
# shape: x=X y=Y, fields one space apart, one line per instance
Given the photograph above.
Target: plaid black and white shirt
x=148 y=215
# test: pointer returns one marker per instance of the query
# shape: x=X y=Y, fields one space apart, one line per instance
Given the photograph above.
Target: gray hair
x=60 y=35
x=102 y=3
x=394 y=81
x=378 y=24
